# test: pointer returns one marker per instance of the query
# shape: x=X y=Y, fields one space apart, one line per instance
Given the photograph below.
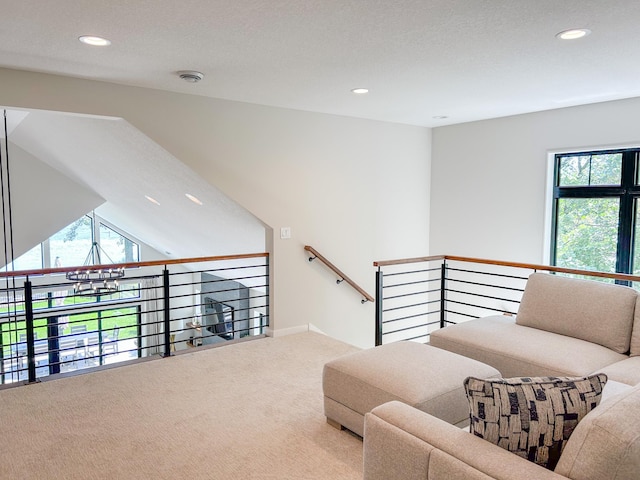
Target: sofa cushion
x=518 y=351
x=399 y=443
x=634 y=349
x=531 y=417
x=625 y=371
x=606 y=443
x=427 y=378
x=613 y=388
x=593 y=311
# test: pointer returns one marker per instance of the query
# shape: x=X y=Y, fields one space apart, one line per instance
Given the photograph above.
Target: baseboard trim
x=281 y=332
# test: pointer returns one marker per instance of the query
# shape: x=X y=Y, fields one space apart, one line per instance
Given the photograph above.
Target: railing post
x=379 y=306
x=2 y=377
x=443 y=293
x=268 y=293
x=31 y=350
x=167 y=313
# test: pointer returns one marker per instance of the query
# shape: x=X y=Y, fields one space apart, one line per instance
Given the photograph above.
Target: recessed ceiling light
x=439 y=117
x=573 y=34
x=94 y=41
x=360 y=91
x=193 y=199
x=152 y=200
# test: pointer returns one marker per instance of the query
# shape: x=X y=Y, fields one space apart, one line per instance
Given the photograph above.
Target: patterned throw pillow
x=531 y=417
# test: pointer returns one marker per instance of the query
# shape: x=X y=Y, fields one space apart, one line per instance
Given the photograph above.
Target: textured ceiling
x=465 y=59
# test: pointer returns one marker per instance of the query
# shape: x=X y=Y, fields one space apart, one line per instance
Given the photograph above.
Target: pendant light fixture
x=99 y=280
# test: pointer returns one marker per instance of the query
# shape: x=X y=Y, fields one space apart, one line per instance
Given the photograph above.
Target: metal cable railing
x=46 y=328
x=416 y=296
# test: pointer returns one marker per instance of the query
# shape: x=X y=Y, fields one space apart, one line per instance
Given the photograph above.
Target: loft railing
x=160 y=307
x=341 y=276
x=416 y=296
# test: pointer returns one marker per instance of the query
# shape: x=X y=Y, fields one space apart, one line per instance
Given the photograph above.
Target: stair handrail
x=337 y=271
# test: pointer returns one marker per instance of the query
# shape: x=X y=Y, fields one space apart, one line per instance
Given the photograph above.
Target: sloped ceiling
x=43 y=201
x=121 y=165
x=421 y=59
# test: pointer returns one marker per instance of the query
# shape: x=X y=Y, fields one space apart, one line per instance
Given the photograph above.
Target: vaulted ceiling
x=425 y=62
x=119 y=164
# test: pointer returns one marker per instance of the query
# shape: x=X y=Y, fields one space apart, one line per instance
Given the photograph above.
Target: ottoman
x=425 y=377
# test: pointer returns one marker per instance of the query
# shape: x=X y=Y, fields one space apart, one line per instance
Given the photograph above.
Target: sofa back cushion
x=606 y=443
x=634 y=349
x=589 y=310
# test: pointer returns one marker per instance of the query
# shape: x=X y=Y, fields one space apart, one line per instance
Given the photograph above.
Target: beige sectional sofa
x=403 y=442
x=564 y=327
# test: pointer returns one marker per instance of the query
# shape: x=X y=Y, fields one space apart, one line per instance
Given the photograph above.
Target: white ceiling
x=466 y=59
x=121 y=165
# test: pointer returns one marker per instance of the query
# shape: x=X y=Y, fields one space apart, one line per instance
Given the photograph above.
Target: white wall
x=356 y=190
x=43 y=201
x=489 y=178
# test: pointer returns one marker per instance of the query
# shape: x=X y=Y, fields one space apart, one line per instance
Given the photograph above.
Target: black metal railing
x=416 y=296
x=46 y=328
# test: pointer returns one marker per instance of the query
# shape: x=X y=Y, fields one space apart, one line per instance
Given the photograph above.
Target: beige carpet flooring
x=252 y=410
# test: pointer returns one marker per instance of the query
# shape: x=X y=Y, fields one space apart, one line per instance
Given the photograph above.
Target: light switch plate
x=285 y=233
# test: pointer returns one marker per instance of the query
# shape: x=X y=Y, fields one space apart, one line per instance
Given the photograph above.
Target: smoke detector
x=190 y=76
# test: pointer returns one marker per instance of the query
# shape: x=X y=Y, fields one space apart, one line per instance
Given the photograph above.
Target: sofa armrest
x=402 y=442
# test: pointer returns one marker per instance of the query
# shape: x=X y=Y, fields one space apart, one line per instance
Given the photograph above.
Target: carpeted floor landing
x=252 y=410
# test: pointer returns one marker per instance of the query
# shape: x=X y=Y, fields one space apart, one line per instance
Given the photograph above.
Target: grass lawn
x=107 y=318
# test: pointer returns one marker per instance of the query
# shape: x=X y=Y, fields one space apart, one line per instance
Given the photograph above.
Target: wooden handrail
x=153 y=263
x=408 y=260
x=337 y=271
x=530 y=266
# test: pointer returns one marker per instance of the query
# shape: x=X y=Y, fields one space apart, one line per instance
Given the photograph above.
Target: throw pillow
x=531 y=417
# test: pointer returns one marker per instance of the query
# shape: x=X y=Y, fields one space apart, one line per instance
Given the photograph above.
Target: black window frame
x=627 y=192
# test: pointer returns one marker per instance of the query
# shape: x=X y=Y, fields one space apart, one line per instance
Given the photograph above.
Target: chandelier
x=96 y=281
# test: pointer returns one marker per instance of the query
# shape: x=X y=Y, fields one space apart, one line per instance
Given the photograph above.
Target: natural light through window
x=70 y=247
x=594 y=210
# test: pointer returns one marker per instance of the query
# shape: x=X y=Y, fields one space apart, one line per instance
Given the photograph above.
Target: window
x=72 y=331
x=595 y=199
x=82 y=340
x=31 y=260
x=71 y=246
x=118 y=247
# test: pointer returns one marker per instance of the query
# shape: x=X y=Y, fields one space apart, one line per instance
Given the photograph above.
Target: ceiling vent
x=190 y=76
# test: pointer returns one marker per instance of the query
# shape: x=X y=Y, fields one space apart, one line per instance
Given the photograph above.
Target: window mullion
x=46 y=254
x=625 y=224
x=634 y=194
x=589 y=192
